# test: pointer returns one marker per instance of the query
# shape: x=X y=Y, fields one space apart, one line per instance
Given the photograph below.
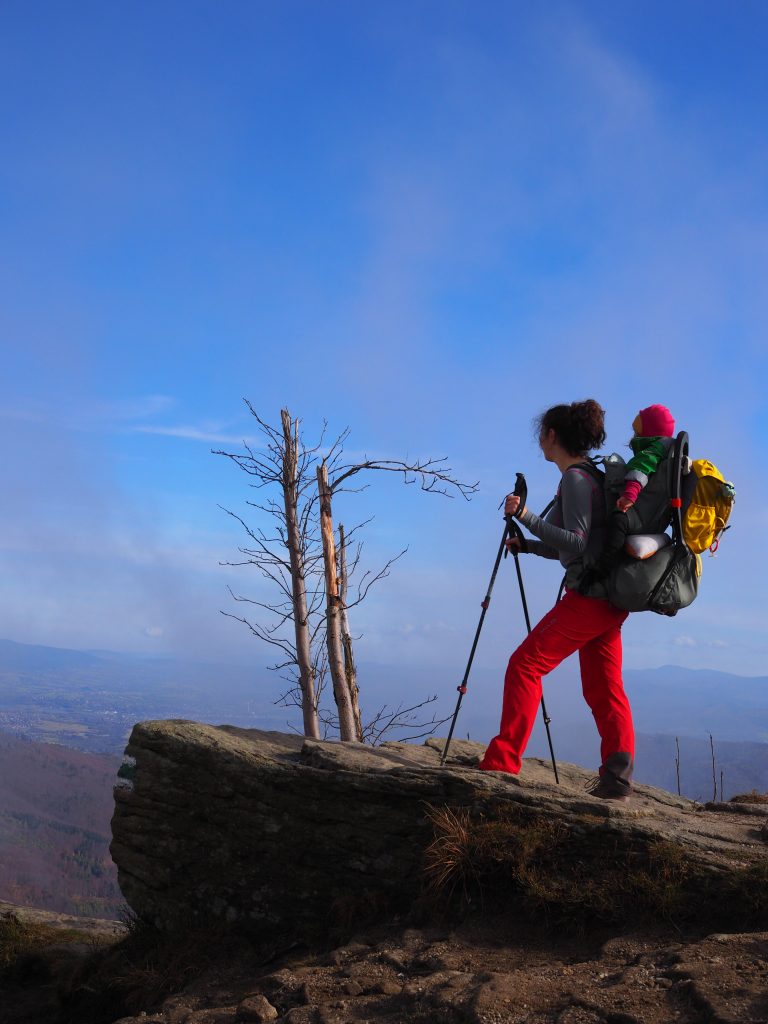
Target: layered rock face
x=273 y=830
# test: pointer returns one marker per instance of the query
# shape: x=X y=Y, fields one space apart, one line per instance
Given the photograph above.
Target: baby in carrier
x=652 y=440
x=653 y=428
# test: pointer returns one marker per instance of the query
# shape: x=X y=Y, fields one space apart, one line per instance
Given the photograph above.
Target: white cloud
x=190 y=433
x=153 y=631
x=685 y=641
x=623 y=93
x=177 y=547
x=90 y=415
x=133 y=408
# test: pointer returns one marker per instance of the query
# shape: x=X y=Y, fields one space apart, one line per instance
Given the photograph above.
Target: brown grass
x=750 y=798
x=554 y=873
x=20 y=938
x=448 y=858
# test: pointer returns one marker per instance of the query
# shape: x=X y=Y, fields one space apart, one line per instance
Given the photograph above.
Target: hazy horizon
x=90 y=703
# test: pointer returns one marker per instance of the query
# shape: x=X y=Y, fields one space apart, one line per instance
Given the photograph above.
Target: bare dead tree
x=290 y=558
x=433 y=476
x=312 y=573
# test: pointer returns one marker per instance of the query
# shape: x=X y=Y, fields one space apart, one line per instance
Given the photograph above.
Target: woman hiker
x=573 y=530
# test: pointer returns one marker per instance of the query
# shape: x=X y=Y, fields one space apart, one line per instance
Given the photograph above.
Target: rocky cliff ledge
x=273 y=830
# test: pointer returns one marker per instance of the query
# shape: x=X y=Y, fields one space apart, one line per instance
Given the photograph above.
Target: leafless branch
x=387 y=720
x=333 y=454
x=283 y=645
x=365 y=584
x=290 y=699
x=433 y=475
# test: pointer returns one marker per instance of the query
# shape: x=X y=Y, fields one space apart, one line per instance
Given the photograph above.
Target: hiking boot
x=607 y=787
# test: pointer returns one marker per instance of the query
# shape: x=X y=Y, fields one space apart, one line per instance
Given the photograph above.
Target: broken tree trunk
x=350 y=671
x=341 y=693
x=298 y=580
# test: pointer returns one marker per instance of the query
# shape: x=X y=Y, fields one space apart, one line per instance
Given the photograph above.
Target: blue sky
x=427 y=222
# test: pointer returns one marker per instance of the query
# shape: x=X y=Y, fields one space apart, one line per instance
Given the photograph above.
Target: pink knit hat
x=657 y=421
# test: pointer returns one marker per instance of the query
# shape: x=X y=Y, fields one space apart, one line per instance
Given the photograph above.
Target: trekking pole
x=462 y=687
x=521 y=490
x=514 y=528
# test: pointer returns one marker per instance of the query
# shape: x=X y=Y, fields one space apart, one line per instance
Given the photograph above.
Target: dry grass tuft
x=448 y=858
x=750 y=798
x=20 y=938
x=17 y=939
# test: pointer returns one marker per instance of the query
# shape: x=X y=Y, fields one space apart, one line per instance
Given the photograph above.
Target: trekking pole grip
x=521 y=490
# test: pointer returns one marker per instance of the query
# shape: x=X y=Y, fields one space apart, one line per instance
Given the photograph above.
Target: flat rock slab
x=276 y=831
x=88 y=927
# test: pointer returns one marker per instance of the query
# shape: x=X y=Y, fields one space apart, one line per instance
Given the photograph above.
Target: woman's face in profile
x=547 y=440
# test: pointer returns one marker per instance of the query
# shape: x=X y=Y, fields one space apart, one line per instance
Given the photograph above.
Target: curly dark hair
x=580 y=426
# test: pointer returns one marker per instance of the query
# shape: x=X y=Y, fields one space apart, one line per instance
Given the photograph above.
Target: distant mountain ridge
x=668 y=700
x=90 y=700
x=695 y=702
x=36 y=657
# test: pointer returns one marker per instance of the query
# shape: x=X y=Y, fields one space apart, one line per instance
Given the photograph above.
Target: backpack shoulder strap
x=597 y=474
x=594 y=471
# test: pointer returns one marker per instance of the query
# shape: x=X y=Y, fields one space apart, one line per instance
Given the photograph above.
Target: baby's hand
x=624 y=504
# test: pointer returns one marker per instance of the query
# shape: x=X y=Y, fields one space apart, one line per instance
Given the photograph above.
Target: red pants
x=591 y=627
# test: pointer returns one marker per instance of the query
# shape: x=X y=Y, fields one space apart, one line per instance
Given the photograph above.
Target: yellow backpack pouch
x=710 y=506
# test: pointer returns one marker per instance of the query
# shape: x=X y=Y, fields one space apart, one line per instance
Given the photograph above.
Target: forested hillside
x=55 y=811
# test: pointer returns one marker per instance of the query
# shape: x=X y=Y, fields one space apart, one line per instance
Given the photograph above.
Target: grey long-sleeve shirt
x=574 y=528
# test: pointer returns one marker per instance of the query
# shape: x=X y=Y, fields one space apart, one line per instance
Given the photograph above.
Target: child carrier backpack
x=668 y=580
